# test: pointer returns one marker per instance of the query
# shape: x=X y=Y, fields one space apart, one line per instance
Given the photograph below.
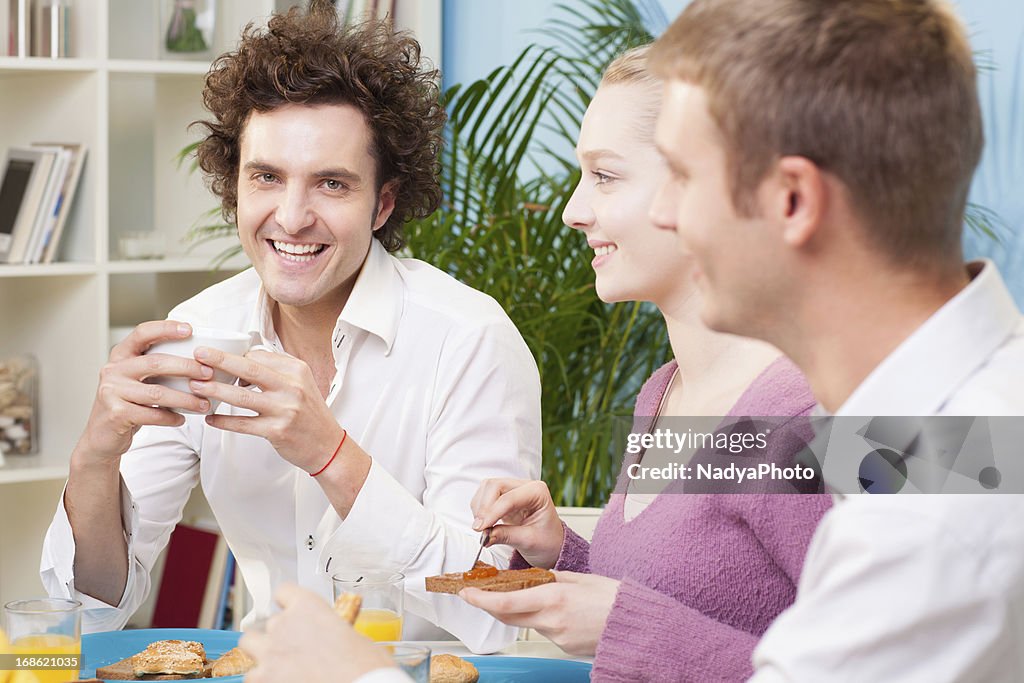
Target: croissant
x=232 y=663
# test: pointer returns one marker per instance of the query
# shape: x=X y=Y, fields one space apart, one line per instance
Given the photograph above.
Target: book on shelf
x=14 y=28
x=190 y=589
x=50 y=239
x=45 y=210
x=36 y=195
x=5 y=28
x=25 y=179
x=224 y=618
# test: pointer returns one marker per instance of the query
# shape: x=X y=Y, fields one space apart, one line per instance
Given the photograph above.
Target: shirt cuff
x=58 y=562
x=714 y=651
x=386 y=528
x=574 y=556
x=392 y=675
x=518 y=562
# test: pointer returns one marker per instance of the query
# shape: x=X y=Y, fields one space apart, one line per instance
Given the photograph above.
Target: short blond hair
x=880 y=93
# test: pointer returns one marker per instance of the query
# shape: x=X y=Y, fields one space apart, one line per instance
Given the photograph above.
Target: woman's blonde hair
x=631 y=68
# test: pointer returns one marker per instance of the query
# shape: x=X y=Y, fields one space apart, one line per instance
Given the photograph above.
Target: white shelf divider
x=20 y=469
x=47 y=270
x=158 y=67
x=70 y=64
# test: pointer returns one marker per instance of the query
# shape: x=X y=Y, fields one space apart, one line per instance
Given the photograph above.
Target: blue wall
x=997 y=33
x=480 y=35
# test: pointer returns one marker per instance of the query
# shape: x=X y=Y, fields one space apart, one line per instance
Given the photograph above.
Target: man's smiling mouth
x=298 y=252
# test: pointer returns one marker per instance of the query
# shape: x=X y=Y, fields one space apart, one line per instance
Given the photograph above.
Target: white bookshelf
x=132 y=110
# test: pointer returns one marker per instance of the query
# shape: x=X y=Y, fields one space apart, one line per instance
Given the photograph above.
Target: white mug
x=236 y=343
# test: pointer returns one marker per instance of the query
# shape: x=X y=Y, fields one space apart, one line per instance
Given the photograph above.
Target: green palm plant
x=508 y=171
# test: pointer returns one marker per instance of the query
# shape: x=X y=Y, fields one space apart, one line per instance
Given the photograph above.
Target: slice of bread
x=170 y=657
x=505 y=580
x=122 y=671
x=186 y=655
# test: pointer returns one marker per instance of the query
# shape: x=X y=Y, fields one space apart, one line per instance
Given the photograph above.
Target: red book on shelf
x=190 y=557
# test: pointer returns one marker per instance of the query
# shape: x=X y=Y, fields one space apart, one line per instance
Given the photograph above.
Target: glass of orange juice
x=44 y=640
x=380 y=618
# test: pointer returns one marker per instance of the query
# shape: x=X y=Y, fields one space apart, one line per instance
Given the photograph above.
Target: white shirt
x=920 y=588
x=433 y=381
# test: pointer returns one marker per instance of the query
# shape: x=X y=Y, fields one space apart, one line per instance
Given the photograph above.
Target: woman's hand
x=572 y=612
x=529 y=522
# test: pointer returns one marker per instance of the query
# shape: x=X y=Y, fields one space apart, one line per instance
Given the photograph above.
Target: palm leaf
x=500 y=231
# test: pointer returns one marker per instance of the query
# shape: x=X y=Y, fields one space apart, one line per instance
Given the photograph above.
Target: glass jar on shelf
x=187 y=29
x=19 y=382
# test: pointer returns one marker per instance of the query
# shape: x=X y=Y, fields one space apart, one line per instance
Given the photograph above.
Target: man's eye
x=266 y=177
x=333 y=185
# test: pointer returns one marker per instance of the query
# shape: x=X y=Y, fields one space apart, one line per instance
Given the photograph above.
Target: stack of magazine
x=36 y=194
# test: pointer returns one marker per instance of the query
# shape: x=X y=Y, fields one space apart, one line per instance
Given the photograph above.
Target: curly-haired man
x=379 y=392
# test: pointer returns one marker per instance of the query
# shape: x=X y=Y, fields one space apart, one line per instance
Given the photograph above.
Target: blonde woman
x=674 y=586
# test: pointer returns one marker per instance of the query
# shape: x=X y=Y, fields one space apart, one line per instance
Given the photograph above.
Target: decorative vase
x=188 y=29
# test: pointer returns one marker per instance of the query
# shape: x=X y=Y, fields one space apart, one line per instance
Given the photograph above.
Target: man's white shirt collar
x=374 y=305
x=919 y=377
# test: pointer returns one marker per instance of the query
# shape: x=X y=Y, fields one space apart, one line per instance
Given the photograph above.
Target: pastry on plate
x=232 y=663
x=162 y=660
x=452 y=669
x=181 y=657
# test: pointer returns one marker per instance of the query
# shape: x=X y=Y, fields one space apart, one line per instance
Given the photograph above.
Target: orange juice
x=50 y=648
x=4 y=675
x=381 y=625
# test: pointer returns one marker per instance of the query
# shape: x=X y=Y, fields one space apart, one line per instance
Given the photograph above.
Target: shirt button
x=310 y=543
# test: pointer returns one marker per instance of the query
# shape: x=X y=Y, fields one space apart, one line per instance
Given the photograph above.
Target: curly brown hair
x=309 y=58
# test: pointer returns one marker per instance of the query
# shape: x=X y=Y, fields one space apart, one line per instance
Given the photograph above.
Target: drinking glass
x=45 y=637
x=380 y=618
x=413 y=659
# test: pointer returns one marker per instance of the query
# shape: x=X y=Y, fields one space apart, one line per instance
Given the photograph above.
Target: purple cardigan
x=702 y=575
